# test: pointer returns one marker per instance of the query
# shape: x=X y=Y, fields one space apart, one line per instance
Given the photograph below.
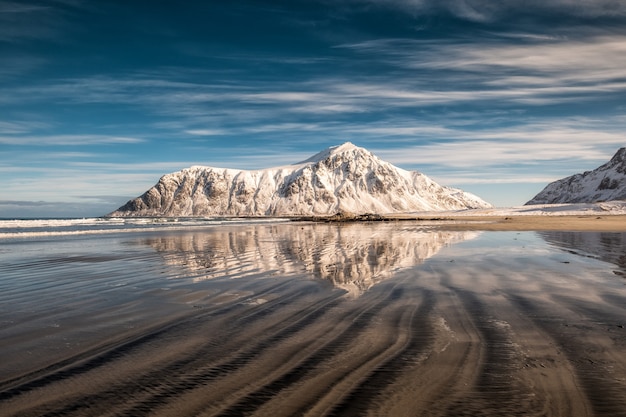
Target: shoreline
x=607 y=216
x=598 y=222
x=574 y=223
x=569 y=222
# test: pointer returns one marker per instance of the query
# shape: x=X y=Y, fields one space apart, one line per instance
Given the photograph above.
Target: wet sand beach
x=485 y=317
x=582 y=223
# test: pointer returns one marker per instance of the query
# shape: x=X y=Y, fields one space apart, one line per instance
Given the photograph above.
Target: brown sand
x=610 y=223
x=501 y=335
x=512 y=222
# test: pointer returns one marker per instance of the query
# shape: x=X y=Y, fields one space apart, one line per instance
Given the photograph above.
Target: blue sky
x=98 y=99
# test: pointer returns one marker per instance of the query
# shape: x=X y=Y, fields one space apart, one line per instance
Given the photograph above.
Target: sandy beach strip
x=582 y=217
x=509 y=222
x=578 y=223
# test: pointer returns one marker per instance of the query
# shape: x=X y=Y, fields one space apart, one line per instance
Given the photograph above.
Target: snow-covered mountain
x=605 y=183
x=342 y=178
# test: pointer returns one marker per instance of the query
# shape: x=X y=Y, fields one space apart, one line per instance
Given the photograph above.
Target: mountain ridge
x=605 y=183
x=344 y=178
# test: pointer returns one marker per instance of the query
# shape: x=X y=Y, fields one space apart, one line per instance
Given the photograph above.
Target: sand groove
x=362 y=397
x=358 y=322
x=184 y=370
x=495 y=389
x=518 y=328
x=588 y=347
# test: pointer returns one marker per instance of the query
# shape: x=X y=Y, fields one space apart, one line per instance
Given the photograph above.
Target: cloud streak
x=66 y=140
x=534 y=73
x=557 y=63
x=489 y=11
x=34 y=20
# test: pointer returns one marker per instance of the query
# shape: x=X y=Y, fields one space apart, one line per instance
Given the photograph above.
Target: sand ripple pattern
x=504 y=324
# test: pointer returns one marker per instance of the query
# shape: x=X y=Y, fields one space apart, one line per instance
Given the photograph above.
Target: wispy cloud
x=558 y=62
x=486 y=11
x=536 y=72
x=472 y=153
x=206 y=132
x=65 y=140
x=27 y=20
x=59 y=182
x=20 y=127
x=284 y=127
x=17 y=64
x=340 y=96
x=23 y=203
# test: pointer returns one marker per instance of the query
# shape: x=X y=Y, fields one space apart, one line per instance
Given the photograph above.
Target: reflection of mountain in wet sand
x=609 y=247
x=512 y=327
x=351 y=256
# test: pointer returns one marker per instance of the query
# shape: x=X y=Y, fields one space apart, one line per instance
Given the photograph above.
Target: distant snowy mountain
x=342 y=178
x=605 y=183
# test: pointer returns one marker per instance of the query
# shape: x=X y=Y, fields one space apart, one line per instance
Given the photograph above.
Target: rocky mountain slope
x=605 y=183
x=342 y=178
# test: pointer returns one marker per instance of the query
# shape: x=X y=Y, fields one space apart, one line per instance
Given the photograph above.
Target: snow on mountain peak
x=341 y=178
x=605 y=183
x=347 y=147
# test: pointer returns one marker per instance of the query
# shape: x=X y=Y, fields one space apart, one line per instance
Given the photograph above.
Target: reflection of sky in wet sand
x=498 y=323
x=534 y=266
x=609 y=247
x=350 y=256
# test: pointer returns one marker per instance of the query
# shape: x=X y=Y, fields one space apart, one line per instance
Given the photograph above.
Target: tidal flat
x=314 y=319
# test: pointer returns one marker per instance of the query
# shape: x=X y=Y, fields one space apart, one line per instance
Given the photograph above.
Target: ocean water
x=30 y=228
x=224 y=317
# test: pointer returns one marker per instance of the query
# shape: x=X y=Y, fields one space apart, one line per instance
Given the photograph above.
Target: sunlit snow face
x=604 y=184
x=340 y=179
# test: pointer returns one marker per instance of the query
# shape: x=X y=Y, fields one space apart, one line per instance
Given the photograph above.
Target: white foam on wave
x=30 y=223
x=10 y=229
x=9 y=235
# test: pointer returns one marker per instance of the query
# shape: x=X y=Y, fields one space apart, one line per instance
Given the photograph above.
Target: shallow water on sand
x=286 y=318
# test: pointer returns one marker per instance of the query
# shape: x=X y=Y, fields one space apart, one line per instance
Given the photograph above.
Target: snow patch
x=574 y=209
